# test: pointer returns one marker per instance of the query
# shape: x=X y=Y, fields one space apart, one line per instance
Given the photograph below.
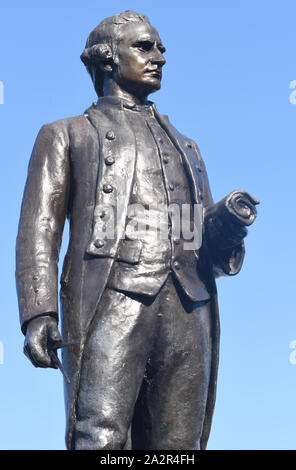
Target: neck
x=111 y=88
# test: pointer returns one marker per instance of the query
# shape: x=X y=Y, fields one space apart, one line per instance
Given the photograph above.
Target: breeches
x=145 y=372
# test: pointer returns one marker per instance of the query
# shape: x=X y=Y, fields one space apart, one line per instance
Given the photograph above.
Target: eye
x=145 y=46
x=161 y=48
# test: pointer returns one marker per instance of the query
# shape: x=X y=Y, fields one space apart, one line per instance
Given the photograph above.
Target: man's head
x=126 y=48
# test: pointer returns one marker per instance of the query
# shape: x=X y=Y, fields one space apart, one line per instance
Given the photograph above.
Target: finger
x=27 y=353
x=54 y=340
x=242 y=232
x=30 y=356
x=54 y=336
x=39 y=355
x=236 y=233
x=54 y=363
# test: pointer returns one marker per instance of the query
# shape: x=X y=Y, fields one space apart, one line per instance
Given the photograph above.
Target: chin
x=152 y=87
x=145 y=88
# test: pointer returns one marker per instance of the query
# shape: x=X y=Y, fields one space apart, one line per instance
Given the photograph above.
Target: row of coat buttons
x=110 y=160
x=108 y=188
x=166 y=160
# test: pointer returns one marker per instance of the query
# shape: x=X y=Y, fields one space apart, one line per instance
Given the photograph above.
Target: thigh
x=173 y=399
x=113 y=366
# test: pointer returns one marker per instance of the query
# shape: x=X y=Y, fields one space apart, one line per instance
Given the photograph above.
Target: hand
x=41 y=337
x=231 y=234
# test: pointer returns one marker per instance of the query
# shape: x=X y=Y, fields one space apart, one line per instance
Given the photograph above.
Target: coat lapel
x=186 y=147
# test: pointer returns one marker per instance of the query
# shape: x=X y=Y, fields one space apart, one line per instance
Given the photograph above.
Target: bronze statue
x=139 y=311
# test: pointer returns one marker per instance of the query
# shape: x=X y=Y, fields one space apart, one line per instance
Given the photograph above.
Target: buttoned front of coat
x=79 y=167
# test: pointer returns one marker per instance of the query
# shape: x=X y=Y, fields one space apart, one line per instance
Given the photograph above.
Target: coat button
x=171 y=186
x=98 y=243
x=176 y=265
x=189 y=145
x=166 y=159
x=110 y=135
x=109 y=160
x=107 y=188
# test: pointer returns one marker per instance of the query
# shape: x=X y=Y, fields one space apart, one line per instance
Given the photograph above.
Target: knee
x=88 y=437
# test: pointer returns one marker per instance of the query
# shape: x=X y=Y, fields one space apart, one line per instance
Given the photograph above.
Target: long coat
x=70 y=176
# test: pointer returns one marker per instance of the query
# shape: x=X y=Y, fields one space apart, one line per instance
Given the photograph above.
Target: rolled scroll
x=226 y=221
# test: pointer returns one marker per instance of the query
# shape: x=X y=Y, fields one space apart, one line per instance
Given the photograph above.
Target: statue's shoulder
x=67 y=131
x=67 y=124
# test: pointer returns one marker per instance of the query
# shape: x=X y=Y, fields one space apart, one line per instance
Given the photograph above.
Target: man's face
x=139 y=60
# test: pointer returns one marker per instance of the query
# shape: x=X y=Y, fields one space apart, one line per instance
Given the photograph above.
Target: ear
x=99 y=55
x=105 y=67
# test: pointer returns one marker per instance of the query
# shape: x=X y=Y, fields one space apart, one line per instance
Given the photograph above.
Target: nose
x=157 y=57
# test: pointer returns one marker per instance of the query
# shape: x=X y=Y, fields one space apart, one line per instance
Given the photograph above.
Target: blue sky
x=226 y=85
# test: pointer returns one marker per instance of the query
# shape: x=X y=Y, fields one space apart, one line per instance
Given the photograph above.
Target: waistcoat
x=160 y=215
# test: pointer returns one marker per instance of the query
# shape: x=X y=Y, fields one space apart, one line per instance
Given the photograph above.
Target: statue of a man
x=139 y=310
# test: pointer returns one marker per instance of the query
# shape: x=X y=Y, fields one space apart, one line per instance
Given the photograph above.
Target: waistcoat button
x=110 y=135
x=109 y=160
x=107 y=188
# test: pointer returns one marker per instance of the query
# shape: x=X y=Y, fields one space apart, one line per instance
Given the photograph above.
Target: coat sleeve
x=42 y=219
x=225 y=262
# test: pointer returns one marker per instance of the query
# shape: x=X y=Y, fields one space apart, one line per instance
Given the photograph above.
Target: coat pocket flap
x=129 y=251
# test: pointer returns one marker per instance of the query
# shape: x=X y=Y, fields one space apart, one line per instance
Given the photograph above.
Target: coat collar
x=121 y=104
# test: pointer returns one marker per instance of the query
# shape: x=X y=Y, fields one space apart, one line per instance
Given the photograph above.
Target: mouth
x=154 y=73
